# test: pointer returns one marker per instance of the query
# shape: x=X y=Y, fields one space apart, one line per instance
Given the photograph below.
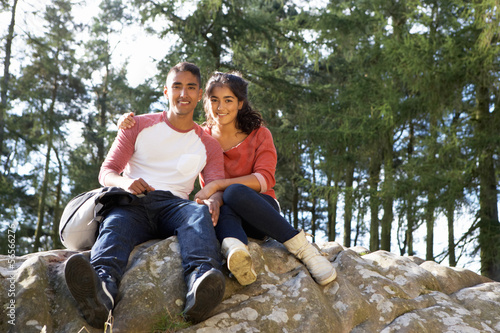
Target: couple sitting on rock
x=158 y=157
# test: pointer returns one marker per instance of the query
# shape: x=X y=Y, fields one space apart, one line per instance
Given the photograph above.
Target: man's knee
x=200 y=211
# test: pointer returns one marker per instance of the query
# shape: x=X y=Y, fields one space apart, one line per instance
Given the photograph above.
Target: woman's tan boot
x=320 y=268
x=239 y=261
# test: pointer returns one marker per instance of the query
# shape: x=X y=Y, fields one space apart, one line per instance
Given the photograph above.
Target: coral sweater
x=255 y=155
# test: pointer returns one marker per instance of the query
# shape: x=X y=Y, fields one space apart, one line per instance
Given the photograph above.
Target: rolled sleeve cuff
x=102 y=177
x=262 y=181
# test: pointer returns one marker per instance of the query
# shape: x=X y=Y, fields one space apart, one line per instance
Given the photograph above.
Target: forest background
x=385 y=113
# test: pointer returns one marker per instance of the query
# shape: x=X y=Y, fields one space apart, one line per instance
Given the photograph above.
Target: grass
x=169 y=324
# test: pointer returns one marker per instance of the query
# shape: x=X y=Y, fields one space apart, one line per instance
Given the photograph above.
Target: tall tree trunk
x=332 y=209
x=295 y=166
x=387 y=193
x=313 y=199
x=42 y=199
x=295 y=194
x=43 y=190
x=313 y=218
x=348 y=202
x=57 y=205
x=398 y=11
x=430 y=210
x=432 y=190
x=373 y=181
x=359 y=221
x=410 y=202
x=6 y=76
x=295 y=204
x=489 y=226
x=411 y=225
x=450 y=214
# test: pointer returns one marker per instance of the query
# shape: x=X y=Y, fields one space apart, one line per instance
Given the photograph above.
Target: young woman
x=250 y=206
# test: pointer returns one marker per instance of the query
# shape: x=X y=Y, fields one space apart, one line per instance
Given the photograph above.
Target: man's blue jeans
x=248 y=213
x=157 y=215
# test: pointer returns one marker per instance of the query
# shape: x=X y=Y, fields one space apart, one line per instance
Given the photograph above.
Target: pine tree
x=50 y=103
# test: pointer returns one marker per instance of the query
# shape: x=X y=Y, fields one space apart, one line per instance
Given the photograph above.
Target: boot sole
x=83 y=284
x=326 y=281
x=209 y=291
x=240 y=265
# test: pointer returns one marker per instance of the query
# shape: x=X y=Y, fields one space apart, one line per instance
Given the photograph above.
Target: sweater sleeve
x=266 y=159
x=214 y=168
x=120 y=153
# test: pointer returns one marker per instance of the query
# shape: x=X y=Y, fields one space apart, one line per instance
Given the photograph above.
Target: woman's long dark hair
x=247 y=119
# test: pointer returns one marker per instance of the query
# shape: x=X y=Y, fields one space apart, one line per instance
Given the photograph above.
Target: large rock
x=374 y=292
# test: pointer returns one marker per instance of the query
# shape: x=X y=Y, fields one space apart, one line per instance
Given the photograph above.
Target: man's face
x=183 y=92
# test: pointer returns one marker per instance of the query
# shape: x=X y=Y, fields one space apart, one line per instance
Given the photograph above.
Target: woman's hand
x=126 y=121
x=207 y=191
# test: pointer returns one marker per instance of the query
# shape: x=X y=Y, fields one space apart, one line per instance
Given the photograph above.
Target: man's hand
x=214 y=203
x=136 y=186
x=126 y=121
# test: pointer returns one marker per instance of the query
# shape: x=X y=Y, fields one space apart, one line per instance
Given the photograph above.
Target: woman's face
x=224 y=106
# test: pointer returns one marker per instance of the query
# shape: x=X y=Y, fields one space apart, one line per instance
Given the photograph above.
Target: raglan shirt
x=166 y=158
x=255 y=155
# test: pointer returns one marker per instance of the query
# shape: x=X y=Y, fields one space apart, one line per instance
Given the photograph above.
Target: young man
x=158 y=160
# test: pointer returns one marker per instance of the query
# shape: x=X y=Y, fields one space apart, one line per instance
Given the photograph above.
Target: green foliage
x=388 y=107
x=169 y=323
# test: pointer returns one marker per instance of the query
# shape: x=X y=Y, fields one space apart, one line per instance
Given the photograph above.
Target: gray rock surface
x=374 y=292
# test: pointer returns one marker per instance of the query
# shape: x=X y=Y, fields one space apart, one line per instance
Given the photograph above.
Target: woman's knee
x=237 y=193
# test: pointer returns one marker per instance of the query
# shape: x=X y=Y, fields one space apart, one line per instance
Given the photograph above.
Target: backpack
x=80 y=219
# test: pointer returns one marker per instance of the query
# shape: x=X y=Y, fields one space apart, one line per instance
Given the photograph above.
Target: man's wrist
x=217 y=196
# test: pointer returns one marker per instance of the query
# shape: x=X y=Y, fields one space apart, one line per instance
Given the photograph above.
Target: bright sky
x=142 y=51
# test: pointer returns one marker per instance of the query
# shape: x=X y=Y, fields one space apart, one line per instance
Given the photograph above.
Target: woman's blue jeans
x=157 y=215
x=248 y=213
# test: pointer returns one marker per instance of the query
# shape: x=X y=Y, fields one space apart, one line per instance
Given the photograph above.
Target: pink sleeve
x=266 y=159
x=214 y=169
x=119 y=154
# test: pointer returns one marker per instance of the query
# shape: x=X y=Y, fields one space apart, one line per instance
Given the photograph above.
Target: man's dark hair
x=186 y=67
